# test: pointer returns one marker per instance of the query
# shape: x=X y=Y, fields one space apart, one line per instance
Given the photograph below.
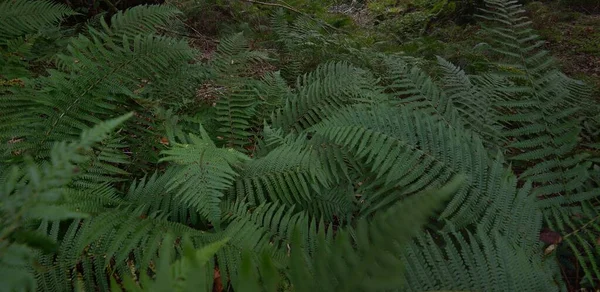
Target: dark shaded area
x=92 y=8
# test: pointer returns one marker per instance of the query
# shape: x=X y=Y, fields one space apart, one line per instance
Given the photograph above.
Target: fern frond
x=472 y=103
x=36 y=194
x=416 y=90
x=235 y=115
x=541 y=108
x=99 y=76
x=479 y=262
x=408 y=152
x=233 y=55
x=203 y=174
x=142 y=19
x=376 y=262
x=330 y=87
x=288 y=174
x=109 y=240
x=25 y=17
x=153 y=193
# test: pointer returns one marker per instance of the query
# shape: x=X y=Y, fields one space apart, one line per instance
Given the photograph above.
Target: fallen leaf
x=550 y=237
x=550 y=249
x=217 y=284
x=164 y=141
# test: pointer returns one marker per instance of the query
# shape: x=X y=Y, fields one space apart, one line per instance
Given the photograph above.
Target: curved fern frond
x=472 y=103
x=289 y=174
x=479 y=262
x=335 y=265
x=540 y=109
x=330 y=87
x=24 y=17
x=204 y=172
x=40 y=194
x=416 y=90
x=154 y=194
x=408 y=152
x=142 y=19
x=112 y=241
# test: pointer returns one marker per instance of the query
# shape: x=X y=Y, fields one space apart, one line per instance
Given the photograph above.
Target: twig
x=582 y=227
x=199 y=36
x=290 y=8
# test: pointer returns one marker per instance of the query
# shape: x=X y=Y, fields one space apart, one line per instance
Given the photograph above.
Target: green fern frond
x=376 y=261
x=109 y=240
x=479 y=262
x=142 y=19
x=416 y=90
x=408 y=152
x=193 y=271
x=330 y=87
x=36 y=193
x=472 y=103
x=99 y=75
x=233 y=55
x=541 y=108
x=204 y=172
x=288 y=174
x=235 y=115
x=25 y=17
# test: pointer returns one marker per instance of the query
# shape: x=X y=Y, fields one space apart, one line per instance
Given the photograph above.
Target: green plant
x=374 y=177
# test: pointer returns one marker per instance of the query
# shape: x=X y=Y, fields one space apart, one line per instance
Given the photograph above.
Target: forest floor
x=430 y=30
x=572 y=36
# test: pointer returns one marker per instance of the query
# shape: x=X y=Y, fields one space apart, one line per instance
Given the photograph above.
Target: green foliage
x=365 y=174
x=27 y=17
x=541 y=107
x=34 y=193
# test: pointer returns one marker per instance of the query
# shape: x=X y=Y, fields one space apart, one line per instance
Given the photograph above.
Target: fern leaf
x=25 y=17
x=203 y=174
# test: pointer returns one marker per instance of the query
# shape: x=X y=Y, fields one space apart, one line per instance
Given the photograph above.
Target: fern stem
x=582 y=227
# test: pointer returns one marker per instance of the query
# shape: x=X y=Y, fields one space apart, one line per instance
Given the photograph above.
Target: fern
x=405 y=157
x=540 y=106
x=473 y=103
x=286 y=174
x=71 y=97
x=139 y=20
x=205 y=172
x=337 y=266
x=19 y=18
x=479 y=262
x=35 y=193
x=233 y=55
x=330 y=87
x=325 y=184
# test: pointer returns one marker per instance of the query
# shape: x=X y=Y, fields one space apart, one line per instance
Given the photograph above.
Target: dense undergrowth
x=236 y=145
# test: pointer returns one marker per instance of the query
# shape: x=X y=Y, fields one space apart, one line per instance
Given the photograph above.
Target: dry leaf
x=550 y=237
x=550 y=249
x=164 y=141
x=217 y=284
